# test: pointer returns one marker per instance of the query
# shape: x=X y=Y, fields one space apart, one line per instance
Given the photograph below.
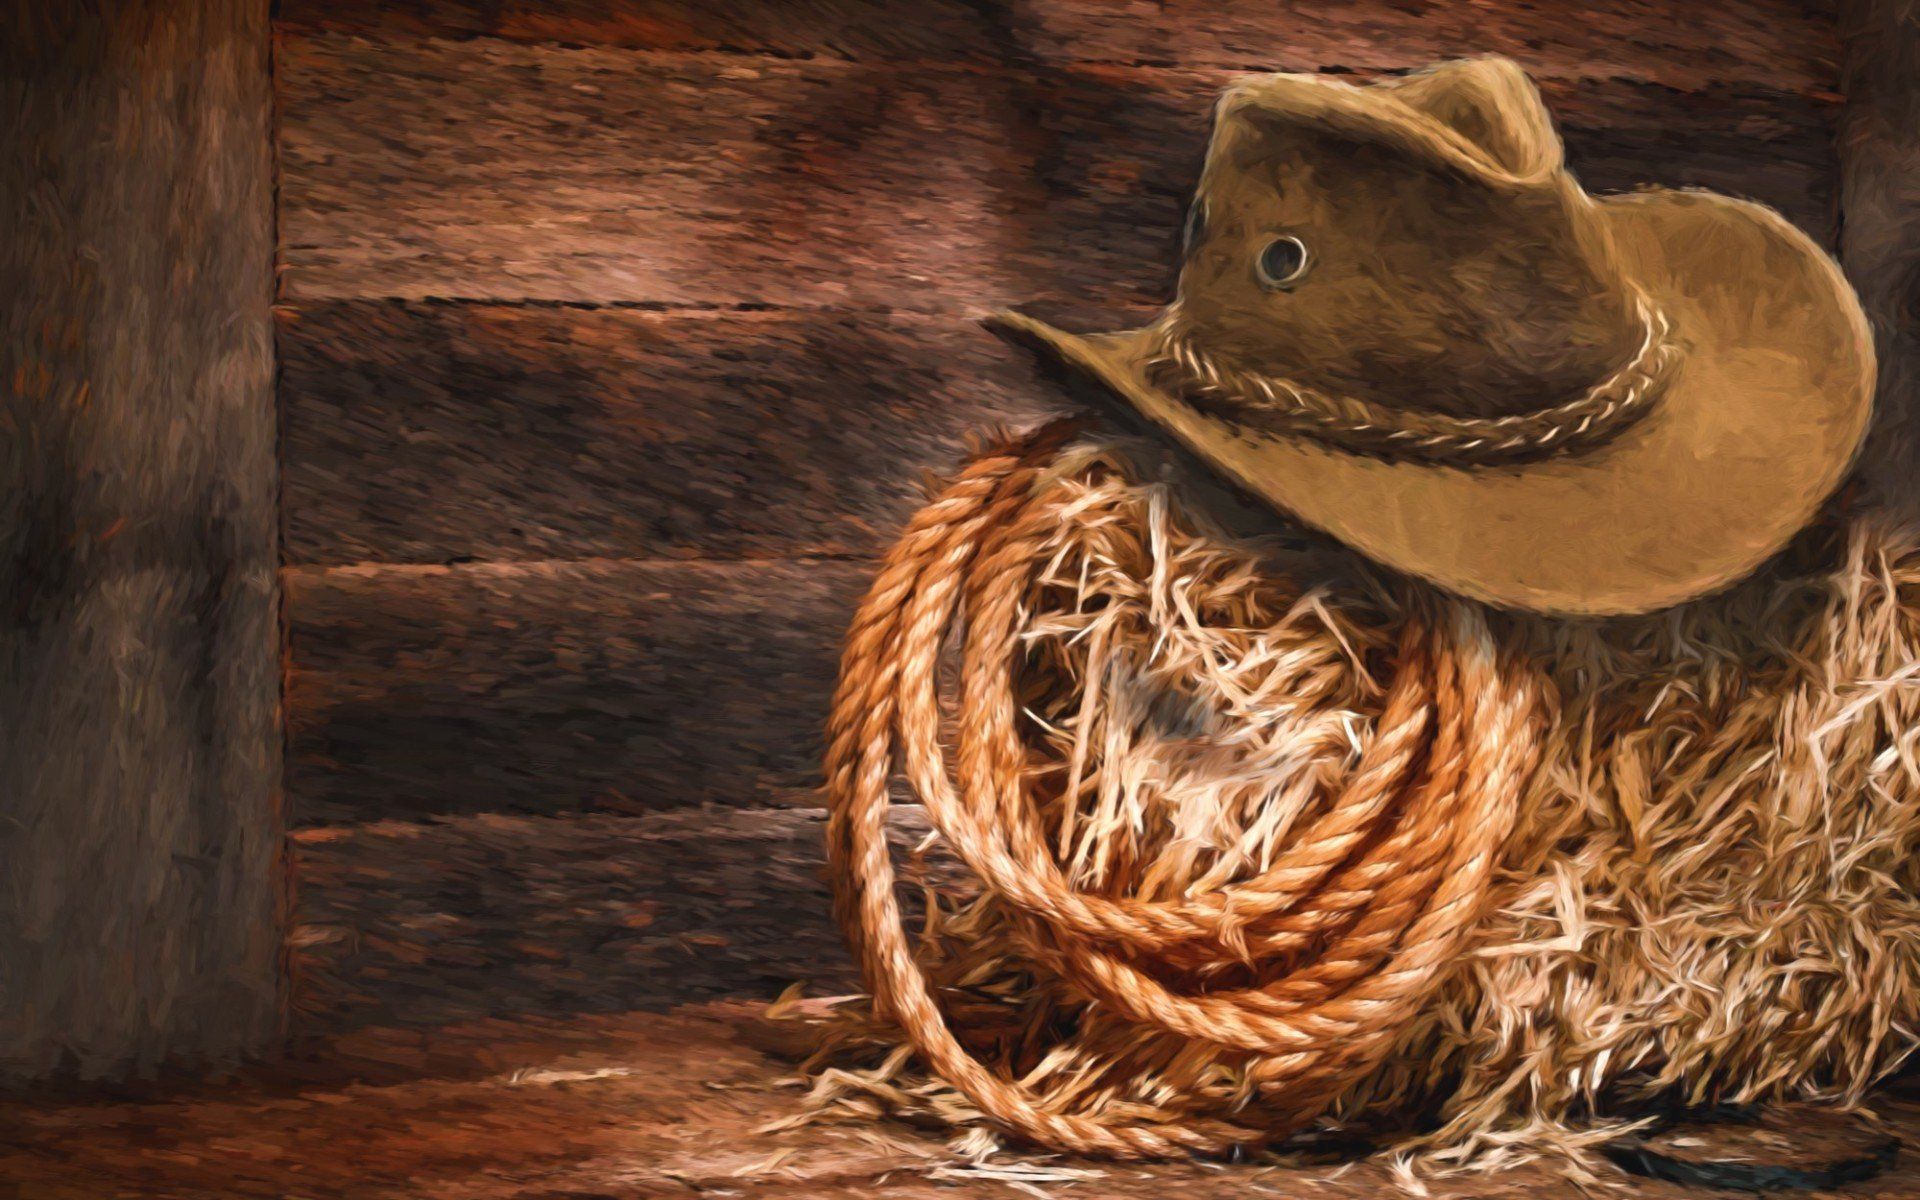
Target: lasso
x=1351 y=927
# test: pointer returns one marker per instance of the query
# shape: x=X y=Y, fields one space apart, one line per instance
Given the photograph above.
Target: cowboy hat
x=1400 y=320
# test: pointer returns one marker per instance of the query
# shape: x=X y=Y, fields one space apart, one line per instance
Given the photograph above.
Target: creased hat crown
x=1445 y=260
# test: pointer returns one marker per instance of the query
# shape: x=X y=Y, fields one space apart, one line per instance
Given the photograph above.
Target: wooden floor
x=538 y=1007
x=610 y=1105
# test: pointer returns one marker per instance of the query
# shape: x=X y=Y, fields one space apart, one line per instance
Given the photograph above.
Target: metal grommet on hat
x=1282 y=262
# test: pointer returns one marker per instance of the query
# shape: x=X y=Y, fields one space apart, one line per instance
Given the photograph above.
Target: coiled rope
x=1345 y=933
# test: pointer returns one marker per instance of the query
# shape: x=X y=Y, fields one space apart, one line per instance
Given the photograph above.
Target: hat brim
x=1757 y=425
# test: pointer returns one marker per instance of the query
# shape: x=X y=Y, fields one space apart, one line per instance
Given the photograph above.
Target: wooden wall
x=141 y=835
x=1879 y=137
x=615 y=335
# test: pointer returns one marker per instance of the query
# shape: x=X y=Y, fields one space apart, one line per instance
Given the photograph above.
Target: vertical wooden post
x=1880 y=224
x=140 y=834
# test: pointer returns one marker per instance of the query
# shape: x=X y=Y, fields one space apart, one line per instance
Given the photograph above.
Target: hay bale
x=1709 y=895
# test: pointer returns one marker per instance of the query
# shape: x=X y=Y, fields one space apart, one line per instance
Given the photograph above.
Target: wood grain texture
x=1880 y=243
x=1787 y=45
x=552 y=687
x=644 y=1105
x=433 y=432
x=410 y=924
x=486 y=169
x=589 y=686
x=139 y=667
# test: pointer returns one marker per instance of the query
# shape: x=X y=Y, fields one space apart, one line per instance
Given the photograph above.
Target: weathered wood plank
x=488 y=169
x=420 y=924
x=432 y=432
x=559 y=686
x=1880 y=243
x=140 y=824
x=1784 y=44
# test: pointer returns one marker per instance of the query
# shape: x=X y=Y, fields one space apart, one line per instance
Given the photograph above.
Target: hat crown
x=1450 y=263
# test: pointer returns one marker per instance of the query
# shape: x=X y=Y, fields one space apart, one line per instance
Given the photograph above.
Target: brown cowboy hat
x=1401 y=321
